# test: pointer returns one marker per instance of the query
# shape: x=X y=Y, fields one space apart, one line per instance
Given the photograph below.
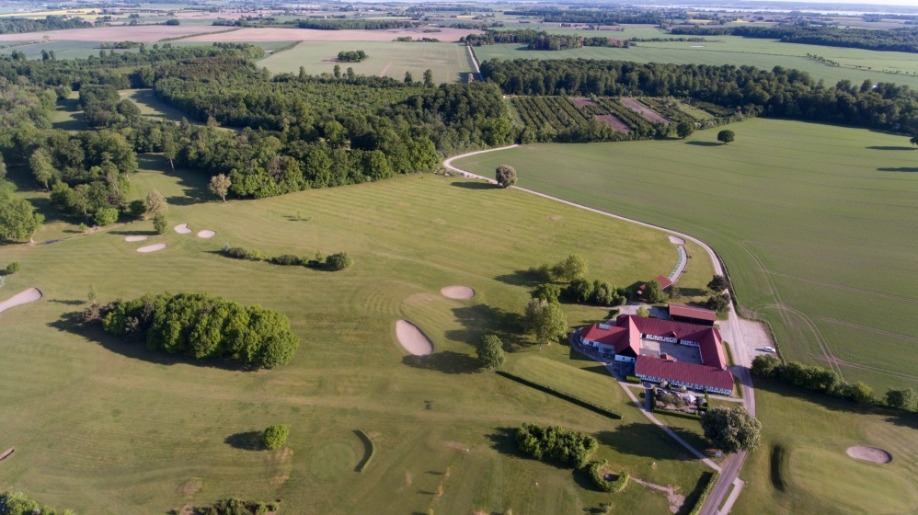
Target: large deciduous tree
x=570 y=268
x=731 y=429
x=275 y=436
x=156 y=203
x=18 y=219
x=899 y=398
x=505 y=176
x=491 y=352
x=718 y=283
x=726 y=136
x=546 y=320
x=653 y=293
x=220 y=185
x=42 y=167
x=684 y=129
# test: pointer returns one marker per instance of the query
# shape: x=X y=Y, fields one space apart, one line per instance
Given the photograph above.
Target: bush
x=339 y=261
x=105 y=216
x=614 y=486
x=553 y=443
x=287 y=260
x=547 y=292
x=633 y=379
x=241 y=253
x=491 y=352
x=10 y=269
x=275 y=436
x=159 y=223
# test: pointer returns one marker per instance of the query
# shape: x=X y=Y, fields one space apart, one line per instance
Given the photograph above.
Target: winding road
x=728 y=486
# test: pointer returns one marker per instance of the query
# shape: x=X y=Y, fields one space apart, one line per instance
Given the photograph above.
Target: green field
x=813 y=474
x=448 y=61
x=814 y=222
x=101 y=426
x=896 y=67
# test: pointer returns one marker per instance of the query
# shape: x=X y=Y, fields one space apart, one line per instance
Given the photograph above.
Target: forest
x=600 y=17
x=20 y=25
x=540 y=40
x=898 y=40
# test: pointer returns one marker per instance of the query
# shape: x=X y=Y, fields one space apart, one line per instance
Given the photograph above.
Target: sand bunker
x=871 y=454
x=135 y=237
x=182 y=229
x=412 y=339
x=6 y=454
x=206 y=234
x=152 y=248
x=23 y=297
x=458 y=292
x=675 y=240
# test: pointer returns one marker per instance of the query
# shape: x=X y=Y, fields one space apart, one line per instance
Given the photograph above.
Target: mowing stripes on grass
x=368 y=451
x=561 y=395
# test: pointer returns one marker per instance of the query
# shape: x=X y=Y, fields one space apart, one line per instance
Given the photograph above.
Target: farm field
x=813 y=222
x=114 y=34
x=156 y=433
x=253 y=34
x=738 y=51
x=448 y=61
x=801 y=464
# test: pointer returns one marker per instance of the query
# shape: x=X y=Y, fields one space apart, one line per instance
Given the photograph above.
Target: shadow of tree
x=448 y=362
x=247 y=441
x=891 y=147
x=704 y=143
x=903 y=169
x=68 y=302
x=503 y=440
x=519 y=278
x=481 y=319
x=644 y=439
x=474 y=185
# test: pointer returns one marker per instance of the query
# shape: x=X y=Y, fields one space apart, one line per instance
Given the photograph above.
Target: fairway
x=124 y=430
x=895 y=67
x=815 y=223
x=449 y=62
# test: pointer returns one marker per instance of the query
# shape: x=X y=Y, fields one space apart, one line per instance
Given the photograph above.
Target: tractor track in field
x=841 y=287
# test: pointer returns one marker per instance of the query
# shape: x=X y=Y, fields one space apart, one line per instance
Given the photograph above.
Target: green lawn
x=814 y=222
x=855 y=64
x=102 y=426
x=447 y=61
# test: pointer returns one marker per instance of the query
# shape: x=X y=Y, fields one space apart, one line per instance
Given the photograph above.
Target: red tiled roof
x=708 y=338
x=664 y=282
x=684 y=310
x=626 y=340
x=682 y=372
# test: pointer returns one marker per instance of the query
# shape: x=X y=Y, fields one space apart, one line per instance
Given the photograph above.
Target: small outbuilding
x=691 y=314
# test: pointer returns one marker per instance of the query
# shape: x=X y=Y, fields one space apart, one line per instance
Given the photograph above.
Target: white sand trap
x=676 y=240
x=458 y=292
x=152 y=248
x=412 y=339
x=871 y=454
x=206 y=234
x=182 y=229
x=135 y=237
x=697 y=46
x=23 y=297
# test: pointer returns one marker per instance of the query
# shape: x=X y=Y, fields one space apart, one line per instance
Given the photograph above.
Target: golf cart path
x=731 y=330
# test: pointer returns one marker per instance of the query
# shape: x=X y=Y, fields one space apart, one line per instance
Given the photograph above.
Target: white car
x=770 y=350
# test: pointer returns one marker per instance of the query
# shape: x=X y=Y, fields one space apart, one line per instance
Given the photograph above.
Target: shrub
x=633 y=379
x=616 y=485
x=159 y=223
x=553 y=443
x=491 y=352
x=241 y=253
x=275 y=436
x=10 y=269
x=105 y=216
x=287 y=260
x=339 y=261
x=547 y=292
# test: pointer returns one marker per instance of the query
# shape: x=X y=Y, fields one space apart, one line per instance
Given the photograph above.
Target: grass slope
x=448 y=61
x=813 y=221
x=101 y=426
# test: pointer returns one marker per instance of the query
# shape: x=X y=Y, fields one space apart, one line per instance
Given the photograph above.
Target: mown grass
x=103 y=426
x=855 y=65
x=801 y=465
x=447 y=61
x=813 y=222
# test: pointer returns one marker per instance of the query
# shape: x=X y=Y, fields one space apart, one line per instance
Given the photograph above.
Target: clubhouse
x=679 y=353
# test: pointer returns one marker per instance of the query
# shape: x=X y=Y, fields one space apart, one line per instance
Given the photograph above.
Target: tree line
x=778 y=92
x=202 y=326
x=541 y=40
x=351 y=24
x=21 y=25
x=898 y=40
x=616 y=16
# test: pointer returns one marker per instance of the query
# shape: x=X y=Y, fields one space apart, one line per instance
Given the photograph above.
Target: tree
x=570 y=268
x=170 y=149
x=653 y=293
x=18 y=219
x=105 y=216
x=684 y=129
x=547 y=291
x=491 y=352
x=42 y=168
x=408 y=78
x=899 y=398
x=338 y=261
x=220 y=185
x=275 y=436
x=718 y=302
x=428 y=78
x=643 y=312
x=336 y=71
x=159 y=223
x=914 y=139
x=718 y=283
x=766 y=365
x=725 y=136
x=156 y=203
x=731 y=429
x=858 y=392
x=505 y=175
x=546 y=320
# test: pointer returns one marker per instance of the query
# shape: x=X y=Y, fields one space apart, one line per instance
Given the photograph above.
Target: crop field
x=448 y=61
x=813 y=221
x=801 y=464
x=124 y=430
x=855 y=65
x=114 y=34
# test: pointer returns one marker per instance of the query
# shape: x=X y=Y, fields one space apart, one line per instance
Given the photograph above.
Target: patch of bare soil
x=675 y=499
x=613 y=120
x=649 y=114
x=412 y=338
x=458 y=292
x=869 y=454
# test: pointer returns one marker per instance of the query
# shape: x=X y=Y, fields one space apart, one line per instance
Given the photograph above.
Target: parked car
x=770 y=350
